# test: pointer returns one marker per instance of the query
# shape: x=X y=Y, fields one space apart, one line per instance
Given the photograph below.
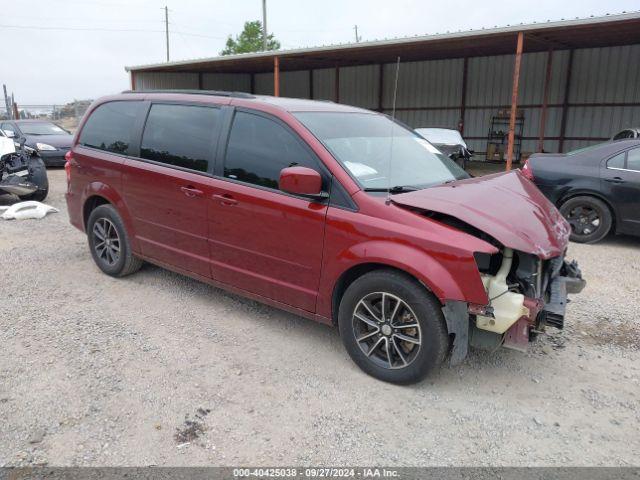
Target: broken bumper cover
x=568 y=280
x=564 y=278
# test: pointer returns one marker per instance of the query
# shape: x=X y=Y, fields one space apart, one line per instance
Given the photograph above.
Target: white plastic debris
x=26 y=210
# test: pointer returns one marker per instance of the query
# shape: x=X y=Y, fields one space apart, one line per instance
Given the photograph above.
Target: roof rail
x=218 y=93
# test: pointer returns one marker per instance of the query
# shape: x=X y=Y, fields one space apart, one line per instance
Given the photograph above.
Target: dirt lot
x=158 y=369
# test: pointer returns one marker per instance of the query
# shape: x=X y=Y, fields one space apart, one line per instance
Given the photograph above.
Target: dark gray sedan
x=51 y=141
x=597 y=189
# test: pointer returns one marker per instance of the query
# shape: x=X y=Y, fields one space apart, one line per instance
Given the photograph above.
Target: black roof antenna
x=393 y=124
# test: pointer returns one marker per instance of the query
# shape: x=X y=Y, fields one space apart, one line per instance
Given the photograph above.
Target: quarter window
x=259 y=148
x=180 y=135
x=111 y=127
x=617 y=161
x=633 y=159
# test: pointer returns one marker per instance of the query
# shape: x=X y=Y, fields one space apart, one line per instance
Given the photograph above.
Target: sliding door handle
x=225 y=199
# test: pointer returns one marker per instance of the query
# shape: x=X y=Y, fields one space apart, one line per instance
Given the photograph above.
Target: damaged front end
x=22 y=172
x=526 y=281
x=526 y=294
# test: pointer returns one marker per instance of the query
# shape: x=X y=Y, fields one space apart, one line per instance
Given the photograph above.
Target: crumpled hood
x=506 y=206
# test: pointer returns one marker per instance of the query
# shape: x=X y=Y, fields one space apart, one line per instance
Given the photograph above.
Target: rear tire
x=109 y=242
x=589 y=217
x=37 y=175
x=403 y=345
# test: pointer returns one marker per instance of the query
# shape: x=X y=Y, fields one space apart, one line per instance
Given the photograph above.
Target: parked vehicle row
x=49 y=140
x=333 y=212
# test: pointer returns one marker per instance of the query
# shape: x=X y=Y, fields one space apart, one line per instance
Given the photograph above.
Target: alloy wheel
x=584 y=220
x=386 y=330
x=106 y=241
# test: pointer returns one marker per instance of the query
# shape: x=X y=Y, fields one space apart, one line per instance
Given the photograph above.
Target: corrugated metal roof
x=576 y=33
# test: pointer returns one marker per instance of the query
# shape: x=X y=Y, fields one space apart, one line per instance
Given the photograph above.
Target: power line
x=99 y=29
x=86 y=29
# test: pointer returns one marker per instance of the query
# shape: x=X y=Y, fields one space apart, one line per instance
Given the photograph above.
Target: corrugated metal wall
x=324 y=84
x=429 y=93
x=235 y=82
x=161 y=80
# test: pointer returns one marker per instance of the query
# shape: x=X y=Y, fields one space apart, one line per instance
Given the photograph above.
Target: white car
x=449 y=142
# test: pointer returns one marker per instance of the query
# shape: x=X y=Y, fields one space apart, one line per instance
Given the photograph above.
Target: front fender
x=448 y=276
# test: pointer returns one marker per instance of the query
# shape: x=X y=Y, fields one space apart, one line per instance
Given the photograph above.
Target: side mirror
x=302 y=181
x=9 y=133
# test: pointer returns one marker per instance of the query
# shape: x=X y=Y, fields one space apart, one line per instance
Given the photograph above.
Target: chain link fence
x=65 y=115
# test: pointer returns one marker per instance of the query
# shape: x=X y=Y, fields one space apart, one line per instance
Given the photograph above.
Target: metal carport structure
x=574 y=81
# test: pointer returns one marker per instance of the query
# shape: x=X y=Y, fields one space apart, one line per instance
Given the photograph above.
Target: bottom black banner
x=399 y=473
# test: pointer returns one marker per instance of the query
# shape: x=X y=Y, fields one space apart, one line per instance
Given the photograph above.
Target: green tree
x=250 y=40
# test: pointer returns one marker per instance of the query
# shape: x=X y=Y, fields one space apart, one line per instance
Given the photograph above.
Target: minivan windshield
x=380 y=153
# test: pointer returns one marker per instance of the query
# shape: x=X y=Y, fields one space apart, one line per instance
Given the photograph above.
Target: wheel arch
x=423 y=268
x=98 y=193
x=351 y=275
x=591 y=193
x=90 y=204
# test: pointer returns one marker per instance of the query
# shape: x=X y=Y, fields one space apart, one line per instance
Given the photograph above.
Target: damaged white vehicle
x=22 y=172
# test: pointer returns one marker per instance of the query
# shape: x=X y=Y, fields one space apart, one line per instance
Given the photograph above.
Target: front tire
x=589 y=217
x=109 y=243
x=392 y=327
x=37 y=175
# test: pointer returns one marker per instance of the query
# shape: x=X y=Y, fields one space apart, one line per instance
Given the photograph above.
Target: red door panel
x=266 y=242
x=169 y=210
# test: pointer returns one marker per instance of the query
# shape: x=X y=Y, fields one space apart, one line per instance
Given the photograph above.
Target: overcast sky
x=77 y=49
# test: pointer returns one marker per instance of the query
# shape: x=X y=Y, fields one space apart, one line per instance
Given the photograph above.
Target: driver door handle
x=614 y=180
x=190 y=191
x=225 y=199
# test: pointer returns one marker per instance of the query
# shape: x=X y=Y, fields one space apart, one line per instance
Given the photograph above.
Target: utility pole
x=264 y=25
x=6 y=102
x=355 y=27
x=14 y=105
x=166 y=28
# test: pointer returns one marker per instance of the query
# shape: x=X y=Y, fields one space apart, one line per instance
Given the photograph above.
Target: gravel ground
x=159 y=369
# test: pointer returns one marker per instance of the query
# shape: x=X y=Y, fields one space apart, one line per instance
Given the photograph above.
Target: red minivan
x=335 y=213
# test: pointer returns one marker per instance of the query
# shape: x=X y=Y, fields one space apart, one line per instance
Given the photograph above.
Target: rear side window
x=181 y=135
x=617 y=161
x=259 y=148
x=633 y=159
x=111 y=127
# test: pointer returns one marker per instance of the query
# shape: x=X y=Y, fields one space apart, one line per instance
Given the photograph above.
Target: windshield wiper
x=396 y=189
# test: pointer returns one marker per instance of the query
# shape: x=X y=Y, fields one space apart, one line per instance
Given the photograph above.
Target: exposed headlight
x=44 y=146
